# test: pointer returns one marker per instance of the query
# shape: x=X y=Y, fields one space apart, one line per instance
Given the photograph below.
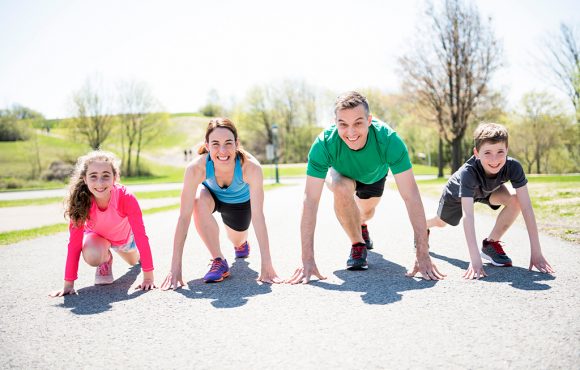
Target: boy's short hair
x=490 y=133
x=349 y=100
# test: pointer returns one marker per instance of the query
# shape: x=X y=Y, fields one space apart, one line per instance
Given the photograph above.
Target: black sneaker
x=493 y=252
x=366 y=237
x=358 y=257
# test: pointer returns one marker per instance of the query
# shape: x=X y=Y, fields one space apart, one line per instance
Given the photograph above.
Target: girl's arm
x=75 y=245
x=135 y=216
x=253 y=176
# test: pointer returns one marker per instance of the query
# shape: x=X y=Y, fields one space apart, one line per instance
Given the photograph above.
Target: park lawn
x=555 y=198
x=11 y=237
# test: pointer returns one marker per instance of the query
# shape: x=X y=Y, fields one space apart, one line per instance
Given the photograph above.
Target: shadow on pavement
x=382 y=283
x=99 y=298
x=234 y=291
x=518 y=277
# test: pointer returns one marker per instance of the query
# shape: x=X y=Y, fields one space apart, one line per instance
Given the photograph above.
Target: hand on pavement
x=541 y=264
x=268 y=275
x=474 y=272
x=303 y=274
x=147 y=284
x=68 y=289
x=172 y=281
x=426 y=268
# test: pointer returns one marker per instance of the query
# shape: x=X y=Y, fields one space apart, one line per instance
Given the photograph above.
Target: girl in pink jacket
x=103 y=215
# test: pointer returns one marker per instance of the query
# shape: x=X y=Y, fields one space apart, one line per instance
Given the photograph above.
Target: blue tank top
x=237 y=192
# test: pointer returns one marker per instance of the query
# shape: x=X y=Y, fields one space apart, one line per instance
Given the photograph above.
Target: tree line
x=445 y=93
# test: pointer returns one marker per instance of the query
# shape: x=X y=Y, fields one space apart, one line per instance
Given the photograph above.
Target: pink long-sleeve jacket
x=122 y=218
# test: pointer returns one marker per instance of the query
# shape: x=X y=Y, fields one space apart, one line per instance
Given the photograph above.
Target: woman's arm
x=194 y=175
x=253 y=176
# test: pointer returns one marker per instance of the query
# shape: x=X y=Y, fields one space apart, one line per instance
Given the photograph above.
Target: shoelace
x=215 y=265
x=241 y=248
x=357 y=251
x=104 y=269
x=497 y=246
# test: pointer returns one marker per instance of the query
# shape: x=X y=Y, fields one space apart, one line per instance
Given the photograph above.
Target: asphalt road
x=363 y=319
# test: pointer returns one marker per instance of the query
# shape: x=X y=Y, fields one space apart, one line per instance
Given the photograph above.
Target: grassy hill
x=163 y=157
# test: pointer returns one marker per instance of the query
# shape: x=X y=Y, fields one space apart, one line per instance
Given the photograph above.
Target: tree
x=292 y=106
x=136 y=105
x=213 y=107
x=92 y=111
x=449 y=69
x=563 y=61
x=14 y=122
x=539 y=129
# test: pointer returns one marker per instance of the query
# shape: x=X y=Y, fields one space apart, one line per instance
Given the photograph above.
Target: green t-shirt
x=384 y=149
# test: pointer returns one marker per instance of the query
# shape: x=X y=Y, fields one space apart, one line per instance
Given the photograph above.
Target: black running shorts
x=235 y=215
x=366 y=191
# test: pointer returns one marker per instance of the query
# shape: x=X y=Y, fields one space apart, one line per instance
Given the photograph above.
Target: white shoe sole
x=490 y=260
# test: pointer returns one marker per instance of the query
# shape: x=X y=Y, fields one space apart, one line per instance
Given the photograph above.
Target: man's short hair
x=492 y=133
x=349 y=100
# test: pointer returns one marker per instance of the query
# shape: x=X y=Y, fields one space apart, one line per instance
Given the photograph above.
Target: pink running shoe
x=104 y=274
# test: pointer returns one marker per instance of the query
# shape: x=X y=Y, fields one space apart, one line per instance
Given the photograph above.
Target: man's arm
x=537 y=259
x=312 y=193
x=410 y=193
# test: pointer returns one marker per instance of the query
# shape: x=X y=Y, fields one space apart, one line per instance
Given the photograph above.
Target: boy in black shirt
x=481 y=179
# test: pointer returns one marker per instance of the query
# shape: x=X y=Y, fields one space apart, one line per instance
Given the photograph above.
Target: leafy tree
x=538 y=130
x=14 y=122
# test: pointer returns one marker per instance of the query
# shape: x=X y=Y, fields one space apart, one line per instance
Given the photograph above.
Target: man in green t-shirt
x=354 y=156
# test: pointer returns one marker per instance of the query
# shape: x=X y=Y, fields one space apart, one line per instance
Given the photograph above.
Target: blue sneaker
x=243 y=251
x=218 y=271
x=358 y=257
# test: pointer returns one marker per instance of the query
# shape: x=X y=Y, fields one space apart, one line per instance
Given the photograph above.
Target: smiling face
x=492 y=157
x=222 y=146
x=100 y=179
x=353 y=126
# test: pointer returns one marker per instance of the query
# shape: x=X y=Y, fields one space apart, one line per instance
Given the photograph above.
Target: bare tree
x=92 y=110
x=562 y=59
x=137 y=105
x=449 y=69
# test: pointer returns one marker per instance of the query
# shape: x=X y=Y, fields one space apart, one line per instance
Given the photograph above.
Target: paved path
x=370 y=319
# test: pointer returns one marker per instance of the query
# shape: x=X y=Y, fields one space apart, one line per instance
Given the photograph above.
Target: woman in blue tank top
x=226 y=179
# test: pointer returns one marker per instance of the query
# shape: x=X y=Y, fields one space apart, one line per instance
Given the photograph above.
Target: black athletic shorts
x=366 y=191
x=450 y=209
x=236 y=215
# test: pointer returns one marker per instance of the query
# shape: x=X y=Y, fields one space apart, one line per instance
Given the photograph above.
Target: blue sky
x=182 y=49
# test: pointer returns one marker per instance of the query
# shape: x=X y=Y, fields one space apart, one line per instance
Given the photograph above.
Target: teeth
x=222 y=158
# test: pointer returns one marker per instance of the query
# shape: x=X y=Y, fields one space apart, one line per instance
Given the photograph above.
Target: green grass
x=555 y=199
x=29 y=202
x=11 y=237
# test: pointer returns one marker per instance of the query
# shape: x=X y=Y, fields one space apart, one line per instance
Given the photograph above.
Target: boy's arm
x=475 y=269
x=537 y=259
